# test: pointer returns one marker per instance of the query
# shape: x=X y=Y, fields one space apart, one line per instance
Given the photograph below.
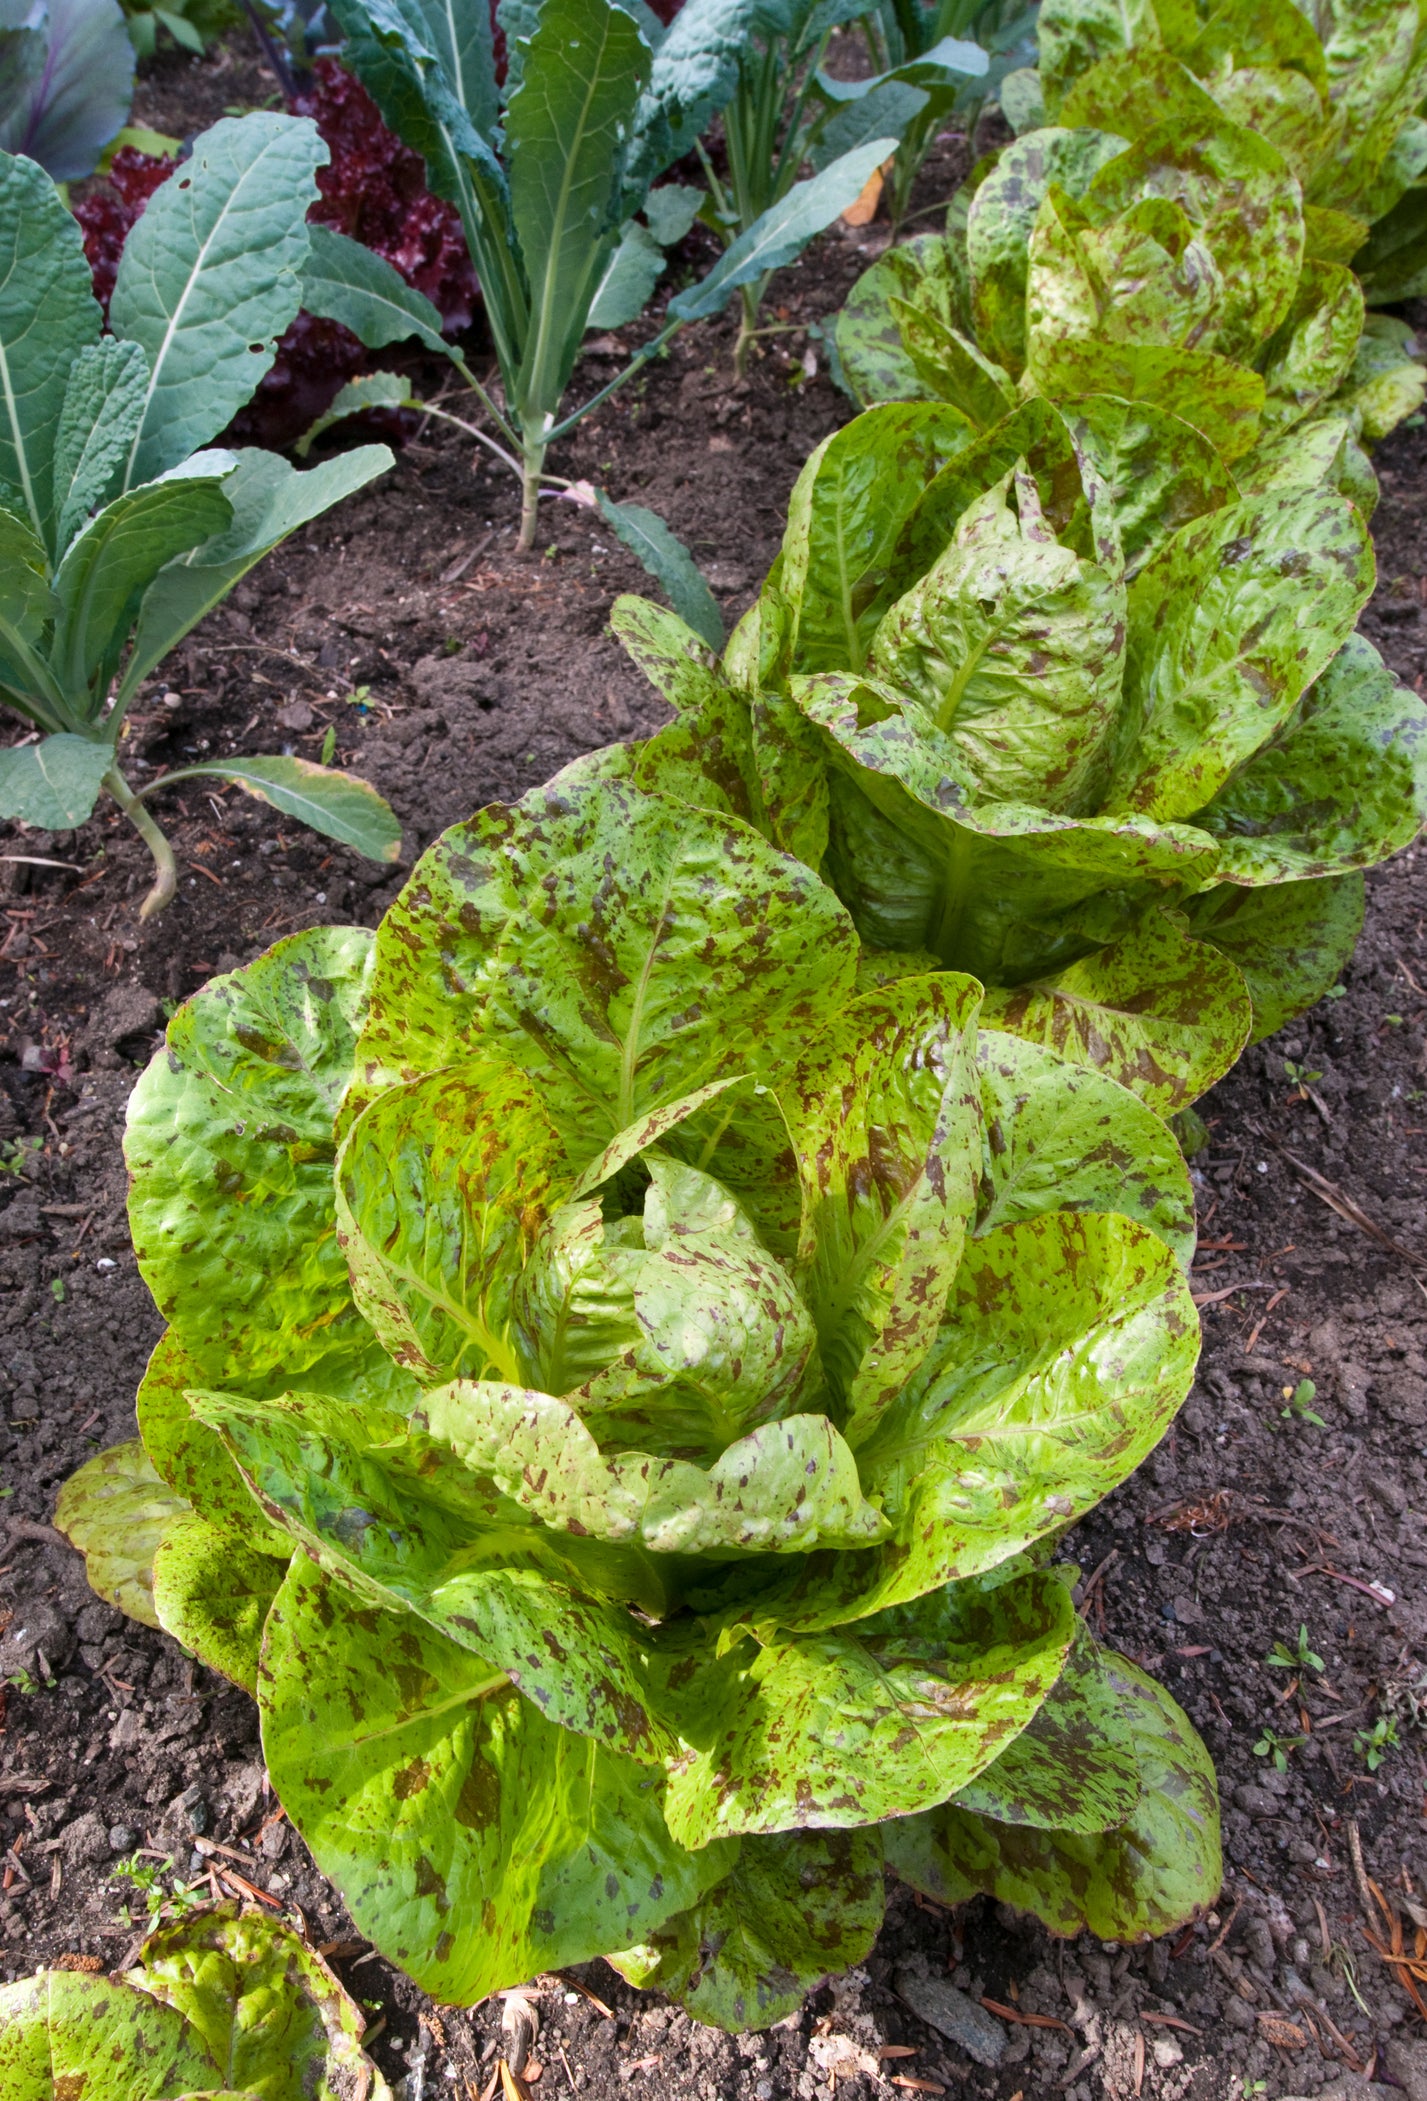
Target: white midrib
x=156 y=363
x=558 y=218
x=22 y=458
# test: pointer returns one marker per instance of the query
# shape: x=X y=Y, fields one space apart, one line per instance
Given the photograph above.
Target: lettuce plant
x=758 y=63
x=1335 y=86
x=118 y=535
x=1058 y=706
x=222 y=2002
x=552 y=173
x=627 y=1367
x=1177 y=270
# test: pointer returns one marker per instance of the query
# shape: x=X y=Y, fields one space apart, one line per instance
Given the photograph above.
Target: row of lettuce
x=640 y=1324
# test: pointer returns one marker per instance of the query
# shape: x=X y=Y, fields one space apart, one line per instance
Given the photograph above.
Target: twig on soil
x=1378 y=1592
x=1360 y=1873
x=1224 y=1930
x=1337 y=1200
x=1170 y=2020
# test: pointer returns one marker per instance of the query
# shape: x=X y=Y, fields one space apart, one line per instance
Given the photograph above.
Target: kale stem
x=166 y=880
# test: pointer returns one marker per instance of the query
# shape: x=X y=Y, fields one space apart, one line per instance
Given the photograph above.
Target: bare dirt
x=455 y=673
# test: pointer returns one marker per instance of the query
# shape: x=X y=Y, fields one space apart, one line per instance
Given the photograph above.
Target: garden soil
x=453 y=673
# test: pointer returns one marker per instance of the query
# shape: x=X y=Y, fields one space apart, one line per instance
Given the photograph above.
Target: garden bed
x=456 y=672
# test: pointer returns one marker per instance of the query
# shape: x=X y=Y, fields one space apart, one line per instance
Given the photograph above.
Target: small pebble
x=122 y=1839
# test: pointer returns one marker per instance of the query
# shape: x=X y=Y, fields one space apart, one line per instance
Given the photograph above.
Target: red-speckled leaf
x=620 y=946
x=1148 y=1876
x=886 y=1119
x=1290 y=940
x=1163 y=1014
x=229 y=1147
x=1342 y=785
x=1069 y=1343
x=794 y=1909
x=884 y=1719
x=1230 y=622
x=442 y=1186
x=473 y=1842
x=1061 y=1138
x=1073 y=1768
x=63 y=2035
x=785 y=1488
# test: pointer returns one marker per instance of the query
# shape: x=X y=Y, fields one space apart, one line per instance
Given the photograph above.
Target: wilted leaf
x=116 y=1510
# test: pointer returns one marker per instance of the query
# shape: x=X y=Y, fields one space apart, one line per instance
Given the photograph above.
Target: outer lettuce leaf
x=1059 y=1137
x=884 y=1719
x=1148 y=1876
x=1073 y=1768
x=1228 y=624
x=1343 y=784
x=61 y=2032
x=793 y=1908
x=1289 y=940
x=1160 y=1012
x=229 y=1146
x=212 y=1593
x=116 y=1510
x=472 y=1840
x=277 y=2021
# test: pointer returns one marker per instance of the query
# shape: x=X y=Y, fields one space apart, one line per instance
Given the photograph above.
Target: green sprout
x=1301 y=1658
x=1373 y=1745
x=1278 y=1748
x=1299 y=1399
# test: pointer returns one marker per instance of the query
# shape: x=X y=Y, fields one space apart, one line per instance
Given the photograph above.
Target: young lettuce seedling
x=553 y=176
x=117 y=534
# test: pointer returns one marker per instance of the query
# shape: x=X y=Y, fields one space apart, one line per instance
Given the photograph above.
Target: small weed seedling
x=1278 y=1748
x=1373 y=1745
x=1298 y=1406
x=1299 y=1658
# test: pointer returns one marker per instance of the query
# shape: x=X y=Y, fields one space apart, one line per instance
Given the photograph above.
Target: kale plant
x=221 y=2002
x=627 y=1369
x=117 y=533
x=758 y=64
x=553 y=173
x=1059 y=706
x=1335 y=85
x=1179 y=269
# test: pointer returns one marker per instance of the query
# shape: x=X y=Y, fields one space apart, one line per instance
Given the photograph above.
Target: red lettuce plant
x=372 y=190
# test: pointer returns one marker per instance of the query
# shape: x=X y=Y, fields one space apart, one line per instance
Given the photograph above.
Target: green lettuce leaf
x=116 y=1510
x=212 y=1593
x=1073 y=1767
x=276 y=2020
x=472 y=1840
x=884 y=1719
x=62 y=2032
x=1290 y=941
x=1148 y=1876
x=792 y=1909
x=229 y=1146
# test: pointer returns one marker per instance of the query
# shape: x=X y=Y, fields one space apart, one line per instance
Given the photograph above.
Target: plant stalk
x=532 y=464
x=166 y=880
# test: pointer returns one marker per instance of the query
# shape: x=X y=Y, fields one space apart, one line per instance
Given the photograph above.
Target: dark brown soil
x=454 y=673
